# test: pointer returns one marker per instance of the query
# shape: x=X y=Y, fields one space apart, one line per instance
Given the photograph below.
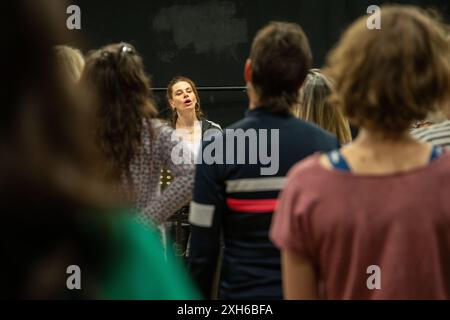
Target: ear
x=172 y=104
x=248 y=71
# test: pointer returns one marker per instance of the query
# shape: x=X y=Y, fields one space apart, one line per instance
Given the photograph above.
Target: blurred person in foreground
x=57 y=210
x=372 y=220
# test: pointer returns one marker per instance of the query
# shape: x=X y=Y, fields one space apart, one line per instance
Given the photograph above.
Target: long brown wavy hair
x=174 y=115
x=125 y=100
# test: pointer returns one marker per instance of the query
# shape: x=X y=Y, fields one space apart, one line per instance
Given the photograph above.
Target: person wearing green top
x=57 y=206
x=141 y=271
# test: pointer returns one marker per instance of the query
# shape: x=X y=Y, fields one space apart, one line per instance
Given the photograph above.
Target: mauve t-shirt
x=345 y=224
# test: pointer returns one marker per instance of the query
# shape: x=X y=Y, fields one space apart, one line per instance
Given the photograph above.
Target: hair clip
x=125 y=49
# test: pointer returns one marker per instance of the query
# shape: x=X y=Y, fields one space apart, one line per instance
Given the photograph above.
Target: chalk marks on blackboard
x=210 y=28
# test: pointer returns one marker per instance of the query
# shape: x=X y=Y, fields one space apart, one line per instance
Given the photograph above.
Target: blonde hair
x=71 y=62
x=314 y=106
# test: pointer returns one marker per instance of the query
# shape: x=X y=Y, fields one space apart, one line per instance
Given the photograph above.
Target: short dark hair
x=281 y=58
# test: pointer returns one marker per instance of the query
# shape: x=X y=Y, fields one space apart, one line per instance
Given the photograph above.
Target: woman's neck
x=378 y=141
x=186 y=119
x=375 y=153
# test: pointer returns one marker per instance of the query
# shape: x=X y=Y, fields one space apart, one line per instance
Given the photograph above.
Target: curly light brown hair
x=386 y=79
x=122 y=89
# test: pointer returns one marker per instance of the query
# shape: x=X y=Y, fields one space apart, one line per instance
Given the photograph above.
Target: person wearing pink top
x=372 y=220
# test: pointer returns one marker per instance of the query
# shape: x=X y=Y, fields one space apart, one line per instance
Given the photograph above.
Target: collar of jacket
x=263 y=111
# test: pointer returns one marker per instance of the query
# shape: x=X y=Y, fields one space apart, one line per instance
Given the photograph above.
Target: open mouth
x=188 y=102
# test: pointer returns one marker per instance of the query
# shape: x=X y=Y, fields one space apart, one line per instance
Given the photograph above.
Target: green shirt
x=141 y=271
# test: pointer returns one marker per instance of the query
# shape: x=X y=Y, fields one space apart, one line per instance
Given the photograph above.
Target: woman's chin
x=186 y=108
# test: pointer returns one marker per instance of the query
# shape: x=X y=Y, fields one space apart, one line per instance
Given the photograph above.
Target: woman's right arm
x=299 y=278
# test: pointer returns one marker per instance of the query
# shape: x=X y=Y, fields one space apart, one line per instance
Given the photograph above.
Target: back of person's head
x=280 y=60
x=170 y=93
x=71 y=62
x=388 y=78
x=49 y=188
x=314 y=106
x=121 y=88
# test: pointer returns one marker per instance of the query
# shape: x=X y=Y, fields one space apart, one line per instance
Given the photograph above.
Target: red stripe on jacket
x=252 y=205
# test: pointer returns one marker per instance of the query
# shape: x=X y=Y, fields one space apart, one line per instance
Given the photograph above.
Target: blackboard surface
x=209 y=40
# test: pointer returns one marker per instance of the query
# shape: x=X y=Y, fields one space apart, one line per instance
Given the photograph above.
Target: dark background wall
x=209 y=40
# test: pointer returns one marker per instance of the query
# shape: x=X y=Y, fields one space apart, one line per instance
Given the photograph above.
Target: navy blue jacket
x=236 y=202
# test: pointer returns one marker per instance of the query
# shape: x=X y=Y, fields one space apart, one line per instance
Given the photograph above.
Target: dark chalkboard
x=209 y=40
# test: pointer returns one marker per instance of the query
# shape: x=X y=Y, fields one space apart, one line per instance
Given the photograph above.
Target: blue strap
x=337 y=161
x=436 y=152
